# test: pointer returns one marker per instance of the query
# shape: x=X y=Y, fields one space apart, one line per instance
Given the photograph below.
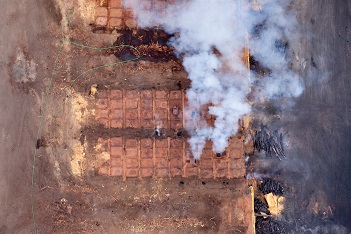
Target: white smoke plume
x=210 y=38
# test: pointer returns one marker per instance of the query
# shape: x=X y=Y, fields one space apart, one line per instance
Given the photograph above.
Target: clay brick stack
x=167 y=155
x=112 y=15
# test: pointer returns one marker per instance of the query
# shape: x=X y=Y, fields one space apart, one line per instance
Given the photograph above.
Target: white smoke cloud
x=211 y=36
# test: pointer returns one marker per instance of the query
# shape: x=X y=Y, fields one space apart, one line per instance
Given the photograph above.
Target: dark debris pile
x=152 y=44
x=271 y=186
x=265 y=222
x=260 y=207
x=270 y=142
x=268 y=226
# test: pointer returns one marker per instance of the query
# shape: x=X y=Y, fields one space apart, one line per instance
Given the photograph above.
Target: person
x=175 y=110
x=157 y=132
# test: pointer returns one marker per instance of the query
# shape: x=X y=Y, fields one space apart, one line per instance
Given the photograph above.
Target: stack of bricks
x=112 y=15
x=168 y=157
x=158 y=156
x=165 y=156
x=134 y=109
x=146 y=109
x=115 y=14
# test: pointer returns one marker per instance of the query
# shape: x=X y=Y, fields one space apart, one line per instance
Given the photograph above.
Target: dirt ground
x=68 y=198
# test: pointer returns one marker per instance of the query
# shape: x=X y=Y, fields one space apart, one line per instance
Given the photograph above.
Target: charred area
x=152 y=44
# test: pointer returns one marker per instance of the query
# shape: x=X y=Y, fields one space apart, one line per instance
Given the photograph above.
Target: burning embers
x=270 y=142
x=150 y=42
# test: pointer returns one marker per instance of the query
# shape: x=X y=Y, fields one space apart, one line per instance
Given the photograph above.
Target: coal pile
x=270 y=142
x=271 y=186
x=152 y=43
x=267 y=225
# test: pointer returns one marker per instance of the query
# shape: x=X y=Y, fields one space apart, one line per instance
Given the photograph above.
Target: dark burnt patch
x=152 y=44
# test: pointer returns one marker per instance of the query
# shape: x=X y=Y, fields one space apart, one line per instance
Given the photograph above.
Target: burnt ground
x=151 y=43
x=317 y=127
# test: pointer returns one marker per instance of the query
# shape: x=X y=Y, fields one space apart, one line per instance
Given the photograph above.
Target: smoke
x=210 y=37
